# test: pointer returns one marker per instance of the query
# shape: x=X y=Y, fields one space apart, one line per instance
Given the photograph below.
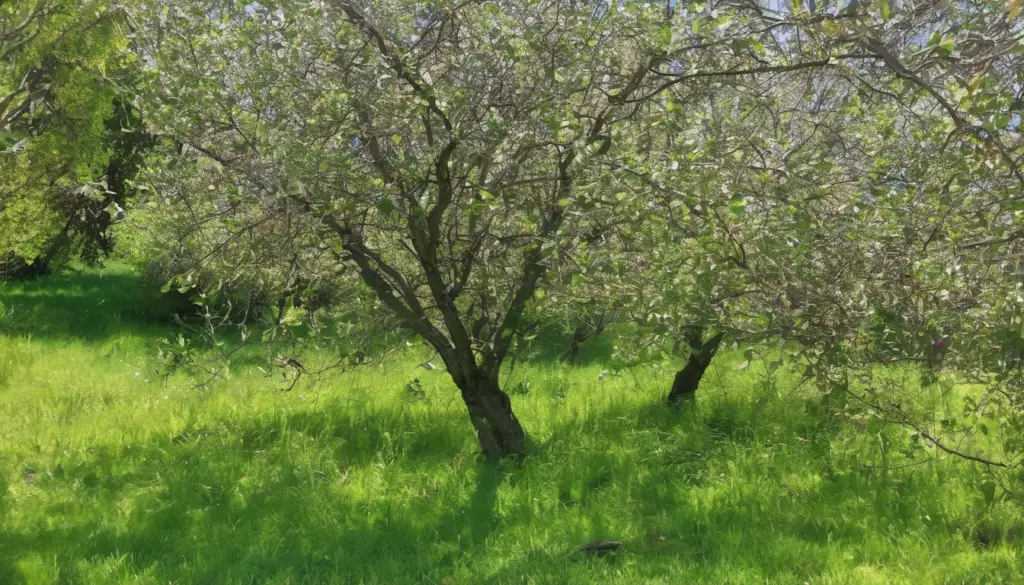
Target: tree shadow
x=9 y=571
x=470 y=523
x=551 y=341
x=90 y=305
x=693 y=510
x=271 y=496
x=307 y=497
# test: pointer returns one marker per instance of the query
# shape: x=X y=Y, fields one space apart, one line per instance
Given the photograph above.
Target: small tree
x=790 y=217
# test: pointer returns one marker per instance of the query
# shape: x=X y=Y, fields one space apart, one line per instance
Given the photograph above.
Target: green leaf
x=988 y=490
x=737 y=204
x=885 y=9
x=386 y=206
x=946 y=45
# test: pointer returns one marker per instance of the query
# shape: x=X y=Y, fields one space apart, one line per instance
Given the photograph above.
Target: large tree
x=786 y=205
x=452 y=152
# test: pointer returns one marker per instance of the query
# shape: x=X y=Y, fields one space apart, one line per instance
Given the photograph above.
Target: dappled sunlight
x=521 y=293
x=111 y=478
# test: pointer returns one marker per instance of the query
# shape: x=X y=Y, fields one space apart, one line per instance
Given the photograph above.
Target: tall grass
x=108 y=478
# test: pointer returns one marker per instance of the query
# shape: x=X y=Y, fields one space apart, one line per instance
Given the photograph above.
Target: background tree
x=70 y=136
x=783 y=198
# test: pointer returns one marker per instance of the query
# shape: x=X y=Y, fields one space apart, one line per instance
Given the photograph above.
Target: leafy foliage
x=821 y=177
x=70 y=137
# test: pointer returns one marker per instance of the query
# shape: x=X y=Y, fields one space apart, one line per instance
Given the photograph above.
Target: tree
x=70 y=137
x=785 y=200
x=453 y=153
x=462 y=156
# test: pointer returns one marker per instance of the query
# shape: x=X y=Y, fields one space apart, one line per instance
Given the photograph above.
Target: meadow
x=111 y=474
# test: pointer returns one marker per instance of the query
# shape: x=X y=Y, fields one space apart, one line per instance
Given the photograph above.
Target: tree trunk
x=497 y=427
x=15 y=268
x=586 y=331
x=684 y=386
x=579 y=335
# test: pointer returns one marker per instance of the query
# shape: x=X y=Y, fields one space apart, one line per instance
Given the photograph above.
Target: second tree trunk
x=684 y=386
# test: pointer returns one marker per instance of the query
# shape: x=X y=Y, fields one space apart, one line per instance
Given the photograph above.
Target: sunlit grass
x=108 y=478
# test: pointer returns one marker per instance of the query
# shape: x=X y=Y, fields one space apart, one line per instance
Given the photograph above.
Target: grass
x=107 y=478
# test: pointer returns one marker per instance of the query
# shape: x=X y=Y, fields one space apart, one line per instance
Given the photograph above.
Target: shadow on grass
x=89 y=305
x=94 y=305
x=550 y=344
x=9 y=571
x=290 y=498
x=352 y=494
x=714 y=487
x=379 y=495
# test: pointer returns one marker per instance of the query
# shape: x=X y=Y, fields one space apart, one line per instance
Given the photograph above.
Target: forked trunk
x=684 y=386
x=497 y=427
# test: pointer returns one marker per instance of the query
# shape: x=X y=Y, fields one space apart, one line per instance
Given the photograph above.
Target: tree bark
x=579 y=335
x=684 y=386
x=497 y=427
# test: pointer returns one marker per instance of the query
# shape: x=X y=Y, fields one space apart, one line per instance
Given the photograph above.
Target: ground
x=109 y=474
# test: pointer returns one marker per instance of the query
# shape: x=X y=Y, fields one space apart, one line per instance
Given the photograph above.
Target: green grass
x=105 y=478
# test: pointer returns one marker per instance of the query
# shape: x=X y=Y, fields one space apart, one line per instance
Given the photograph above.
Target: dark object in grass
x=601 y=547
x=687 y=380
